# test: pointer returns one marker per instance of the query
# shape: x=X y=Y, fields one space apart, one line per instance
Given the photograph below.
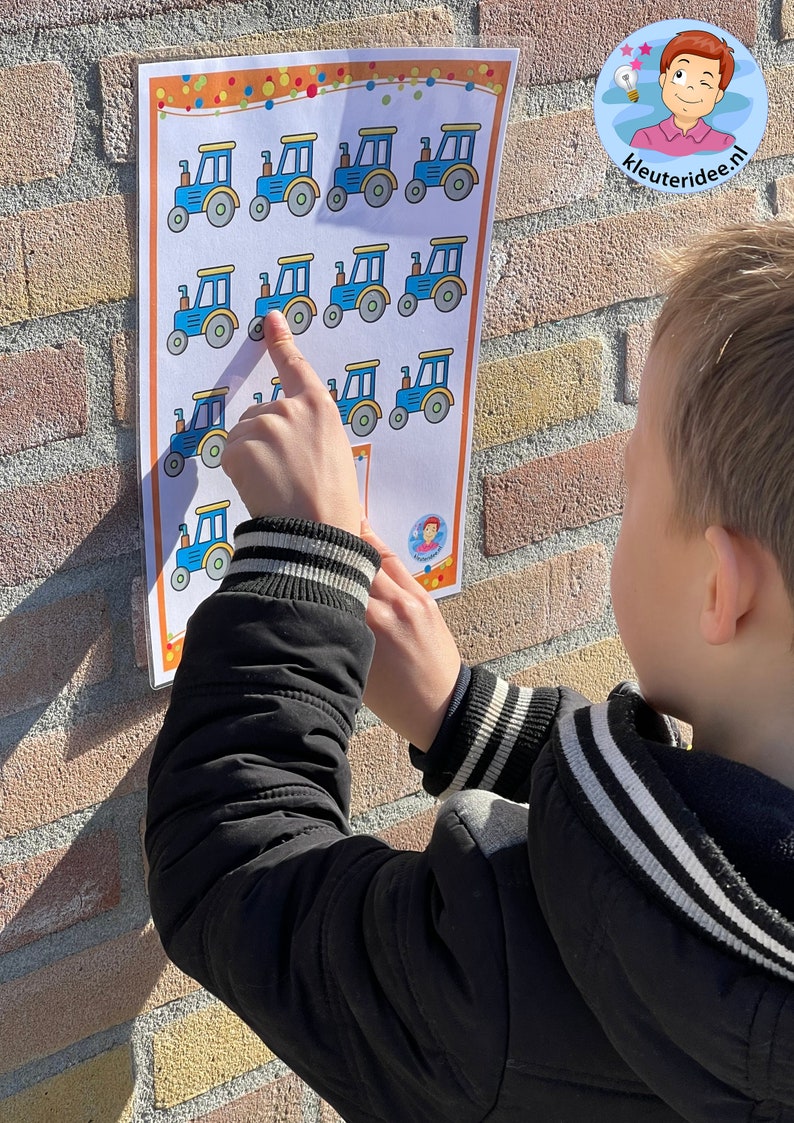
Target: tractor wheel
x=336 y=198
x=220 y=209
x=300 y=200
x=407 y=303
x=178 y=219
x=180 y=578
x=447 y=296
x=212 y=451
x=256 y=329
x=364 y=421
x=372 y=306
x=416 y=191
x=458 y=184
x=177 y=342
x=219 y=331
x=259 y=208
x=173 y=464
x=398 y=418
x=299 y=316
x=378 y=190
x=332 y=316
x=217 y=563
x=436 y=407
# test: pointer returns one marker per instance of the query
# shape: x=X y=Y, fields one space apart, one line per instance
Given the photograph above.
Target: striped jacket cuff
x=295 y=559
x=502 y=729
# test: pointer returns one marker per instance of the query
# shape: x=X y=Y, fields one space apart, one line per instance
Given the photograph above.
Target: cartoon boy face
x=430 y=530
x=691 y=86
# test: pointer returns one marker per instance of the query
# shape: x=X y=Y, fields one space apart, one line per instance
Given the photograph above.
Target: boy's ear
x=729 y=586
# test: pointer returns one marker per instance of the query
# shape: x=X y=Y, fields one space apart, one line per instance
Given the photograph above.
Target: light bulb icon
x=626 y=77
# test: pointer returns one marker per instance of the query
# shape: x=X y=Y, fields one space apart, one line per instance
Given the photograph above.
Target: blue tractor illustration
x=370 y=174
x=440 y=281
x=209 y=549
x=293 y=183
x=205 y=434
x=364 y=291
x=451 y=168
x=211 y=191
x=429 y=394
x=210 y=315
x=291 y=296
x=357 y=406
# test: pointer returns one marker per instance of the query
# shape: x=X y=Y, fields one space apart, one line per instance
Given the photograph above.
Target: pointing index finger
x=296 y=373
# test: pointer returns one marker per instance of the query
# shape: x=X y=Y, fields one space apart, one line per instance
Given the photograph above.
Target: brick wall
x=95 y=1024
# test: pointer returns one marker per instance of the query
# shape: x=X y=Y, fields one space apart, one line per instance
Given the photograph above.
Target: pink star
x=626 y=49
x=636 y=64
x=645 y=49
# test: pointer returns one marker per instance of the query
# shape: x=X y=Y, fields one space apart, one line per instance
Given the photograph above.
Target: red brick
x=57 y=889
x=328 y=1114
x=42 y=651
x=561 y=42
x=37 y=122
x=43 y=395
x=382 y=771
x=638 y=344
x=413 y=833
x=279 y=1102
x=549 y=162
x=84 y=994
x=535 y=500
x=576 y=269
x=82 y=519
x=518 y=610
x=53 y=774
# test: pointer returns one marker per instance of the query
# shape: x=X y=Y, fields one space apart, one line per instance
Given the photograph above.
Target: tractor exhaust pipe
x=426 y=152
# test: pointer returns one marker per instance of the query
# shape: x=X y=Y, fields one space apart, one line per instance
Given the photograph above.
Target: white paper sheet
x=355 y=192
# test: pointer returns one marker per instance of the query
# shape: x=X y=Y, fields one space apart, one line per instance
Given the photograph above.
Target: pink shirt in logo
x=668 y=138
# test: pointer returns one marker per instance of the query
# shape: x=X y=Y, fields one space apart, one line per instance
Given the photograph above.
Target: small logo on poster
x=427 y=538
x=680 y=106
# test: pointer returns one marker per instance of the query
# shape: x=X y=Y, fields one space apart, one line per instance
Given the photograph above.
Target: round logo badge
x=680 y=106
x=427 y=538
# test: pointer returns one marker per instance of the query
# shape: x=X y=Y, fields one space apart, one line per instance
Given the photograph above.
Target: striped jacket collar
x=627 y=802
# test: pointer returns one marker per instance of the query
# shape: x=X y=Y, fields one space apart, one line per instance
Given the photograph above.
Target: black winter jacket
x=615 y=952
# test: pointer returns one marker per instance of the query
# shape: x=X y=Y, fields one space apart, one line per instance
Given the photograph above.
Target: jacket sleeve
x=492 y=735
x=377 y=975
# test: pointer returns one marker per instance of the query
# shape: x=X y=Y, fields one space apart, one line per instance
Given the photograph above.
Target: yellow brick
x=13 y=294
x=79 y=254
x=784 y=196
x=201 y=1051
x=519 y=396
x=98 y=1091
x=592 y=670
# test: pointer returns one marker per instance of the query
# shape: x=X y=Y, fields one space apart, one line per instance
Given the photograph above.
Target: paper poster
x=353 y=191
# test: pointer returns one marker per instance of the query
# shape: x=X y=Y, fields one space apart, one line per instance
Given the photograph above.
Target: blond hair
x=729 y=427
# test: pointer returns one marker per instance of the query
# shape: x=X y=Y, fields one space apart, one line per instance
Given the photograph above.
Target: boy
x=695 y=70
x=622 y=950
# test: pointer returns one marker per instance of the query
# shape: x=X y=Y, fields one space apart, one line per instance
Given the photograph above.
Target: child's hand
x=416 y=661
x=291 y=457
